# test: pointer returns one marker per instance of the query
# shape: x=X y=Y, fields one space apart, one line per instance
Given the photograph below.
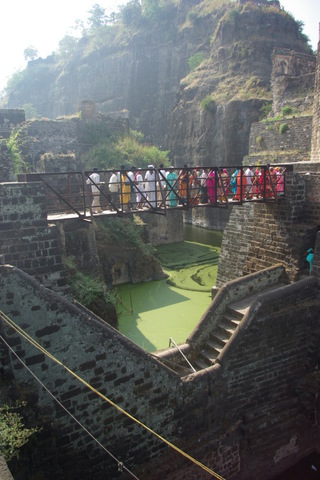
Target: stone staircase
x=225 y=328
x=207 y=353
x=218 y=339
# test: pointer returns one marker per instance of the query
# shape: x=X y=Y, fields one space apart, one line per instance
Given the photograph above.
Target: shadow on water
x=143 y=297
x=150 y=313
x=202 y=235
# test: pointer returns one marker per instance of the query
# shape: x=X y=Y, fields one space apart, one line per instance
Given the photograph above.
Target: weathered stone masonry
x=258 y=236
x=255 y=409
x=267 y=143
x=315 y=151
x=26 y=240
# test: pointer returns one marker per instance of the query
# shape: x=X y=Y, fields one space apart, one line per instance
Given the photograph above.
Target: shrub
x=14 y=145
x=259 y=140
x=196 y=60
x=13 y=433
x=283 y=128
x=207 y=103
x=265 y=109
x=107 y=152
x=287 y=111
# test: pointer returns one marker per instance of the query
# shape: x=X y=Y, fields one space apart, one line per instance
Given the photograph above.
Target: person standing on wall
x=94 y=181
x=309 y=254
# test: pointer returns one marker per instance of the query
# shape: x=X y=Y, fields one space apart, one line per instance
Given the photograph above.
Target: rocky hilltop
x=192 y=79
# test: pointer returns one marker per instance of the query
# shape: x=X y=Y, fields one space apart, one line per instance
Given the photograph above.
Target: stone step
x=216 y=339
x=223 y=331
x=232 y=315
x=212 y=349
x=200 y=364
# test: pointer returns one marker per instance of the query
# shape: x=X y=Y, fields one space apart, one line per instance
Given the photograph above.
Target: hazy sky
x=43 y=24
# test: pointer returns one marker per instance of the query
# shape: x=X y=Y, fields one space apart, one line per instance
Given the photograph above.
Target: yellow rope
x=27 y=337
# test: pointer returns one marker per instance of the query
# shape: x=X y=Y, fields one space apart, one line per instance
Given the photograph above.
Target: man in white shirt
x=150 y=185
x=114 y=189
x=94 y=180
x=249 y=177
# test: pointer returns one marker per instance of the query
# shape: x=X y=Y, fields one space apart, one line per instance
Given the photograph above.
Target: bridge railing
x=156 y=190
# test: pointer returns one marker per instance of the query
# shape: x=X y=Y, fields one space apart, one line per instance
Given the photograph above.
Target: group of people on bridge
x=155 y=188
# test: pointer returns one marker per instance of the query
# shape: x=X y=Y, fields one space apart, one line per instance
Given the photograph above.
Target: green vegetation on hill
x=227 y=47
x=242 y=38
x=107 y=151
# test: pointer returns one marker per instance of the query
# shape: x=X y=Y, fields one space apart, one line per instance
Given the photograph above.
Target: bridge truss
x=78 y=194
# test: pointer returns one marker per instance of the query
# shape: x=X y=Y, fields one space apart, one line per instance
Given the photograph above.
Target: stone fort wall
x=292 y=80
x=26 y=239
x=315 y=151
x=10 y=119
x=258 y=236
x=250 y=416
x=268 y=145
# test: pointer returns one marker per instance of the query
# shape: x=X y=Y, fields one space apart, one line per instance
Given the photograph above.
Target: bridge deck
x=85 y=194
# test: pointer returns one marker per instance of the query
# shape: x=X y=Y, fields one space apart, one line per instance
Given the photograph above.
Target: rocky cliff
x=202 y=115
x=218 y=102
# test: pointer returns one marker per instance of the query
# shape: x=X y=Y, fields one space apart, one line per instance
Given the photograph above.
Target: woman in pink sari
x=280 y=181
x=211 y=186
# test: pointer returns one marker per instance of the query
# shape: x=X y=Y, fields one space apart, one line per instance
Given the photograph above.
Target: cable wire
x=120 y=464
x=27 y=337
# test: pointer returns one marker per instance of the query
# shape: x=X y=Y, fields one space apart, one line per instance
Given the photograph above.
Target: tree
x=30 y=111
x=79 y=27
x=30 y=53
x=97 y=18
x=67 y=45
x=131 y=12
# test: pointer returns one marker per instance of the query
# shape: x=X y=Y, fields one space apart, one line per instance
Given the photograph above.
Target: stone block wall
x=296 y=141
x=207 y=217
x=248 y=417
x=6 y=166
x=292 y=80
x=235 y=245
x=69 y=137
x=315 y=151
x=164 y=229
x=26 y=240
x=53 y=136
x=258 y=236
x=10 y=119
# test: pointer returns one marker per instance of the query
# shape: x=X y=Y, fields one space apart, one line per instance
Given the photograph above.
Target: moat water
x=151 y=313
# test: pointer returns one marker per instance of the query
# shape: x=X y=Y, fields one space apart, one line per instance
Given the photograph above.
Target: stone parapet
x=315 y=150
x=26 y=240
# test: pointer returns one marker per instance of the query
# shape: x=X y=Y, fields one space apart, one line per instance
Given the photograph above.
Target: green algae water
x=150 y=313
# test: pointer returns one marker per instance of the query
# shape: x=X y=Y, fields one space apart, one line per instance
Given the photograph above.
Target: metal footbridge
x=113 y=192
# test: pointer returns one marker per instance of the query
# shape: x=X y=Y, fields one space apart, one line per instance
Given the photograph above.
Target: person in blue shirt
x=309 y=257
